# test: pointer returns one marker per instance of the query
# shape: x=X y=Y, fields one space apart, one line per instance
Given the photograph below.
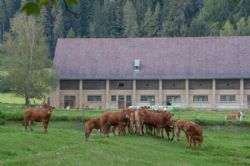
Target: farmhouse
x=201 y=72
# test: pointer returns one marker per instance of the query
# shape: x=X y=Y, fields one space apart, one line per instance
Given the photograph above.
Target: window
x=69 y=85
x=148 y=98
x=173 y=99
x=69 y=101
x=128 y=98
x=121 y=85
x=95 y=98
x=113 y=98
x=227 y=98
x=137 y=64
x=200 y=98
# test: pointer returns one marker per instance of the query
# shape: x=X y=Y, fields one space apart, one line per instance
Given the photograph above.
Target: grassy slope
x=64 y=145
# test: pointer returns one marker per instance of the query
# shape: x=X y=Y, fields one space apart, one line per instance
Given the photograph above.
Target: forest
x=135 y=18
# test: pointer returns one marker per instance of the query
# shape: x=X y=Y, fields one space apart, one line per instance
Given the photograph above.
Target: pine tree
x=84 y=18
x=47 y=21
x=71 y=33
x=58 y=28
x=99 y=26
x=243 y=27
x=227 y=29
x=131 y=28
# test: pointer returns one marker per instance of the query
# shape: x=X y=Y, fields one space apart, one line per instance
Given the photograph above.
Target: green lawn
x=12 y=99
x=64 y=145
x=15 y=112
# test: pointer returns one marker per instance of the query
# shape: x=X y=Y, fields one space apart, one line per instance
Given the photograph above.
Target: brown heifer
x=193 y=133
x=170 y=128
x=158 y=119
x=180 y=125
x=39 y=115
x=109 y=119
x=236 y=115
x=90 y=125
x=131 y=122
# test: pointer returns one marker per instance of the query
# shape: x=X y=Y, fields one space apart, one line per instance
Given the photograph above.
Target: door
x=69 y=101
x=121 y=102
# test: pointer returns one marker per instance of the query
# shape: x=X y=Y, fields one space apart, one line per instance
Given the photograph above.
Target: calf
x=40 y=115
x=193 y=133
x=180 y=125
x=237 y=115
x=90 y=125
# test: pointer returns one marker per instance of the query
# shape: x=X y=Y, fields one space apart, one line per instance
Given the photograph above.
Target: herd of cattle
x=136 y=121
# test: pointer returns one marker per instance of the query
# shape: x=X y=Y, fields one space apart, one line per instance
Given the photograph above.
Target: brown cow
x=158 y=119
x=169 y=128
x=193 y=133
x=39 y=115
x=236 y=115
x=109 y=119
x=180 y=125
x=131 y=123
x=90 y=125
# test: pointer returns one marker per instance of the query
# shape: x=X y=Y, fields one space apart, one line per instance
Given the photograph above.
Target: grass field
x=225 y=142
x=64 y=145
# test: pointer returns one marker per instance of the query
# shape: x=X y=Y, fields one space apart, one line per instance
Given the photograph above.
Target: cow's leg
x=103 y=130
x=120 y=126
x=30 y=122
x=199 y=143
x=153 y=127
x=167 y=133
x=140 y=128
x=45 y=126
x=142 y=131
x=25 y=124
x=194 y=141
x=123 y=127
x=190 y=141
x=162 y=134
x=86 y=132
x=113 y=130
x=172 y=136
x=158 y=131
x=187 y=139
x=107 y=130
x=178 y=134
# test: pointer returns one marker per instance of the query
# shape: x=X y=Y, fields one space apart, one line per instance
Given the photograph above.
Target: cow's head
x=50 y=109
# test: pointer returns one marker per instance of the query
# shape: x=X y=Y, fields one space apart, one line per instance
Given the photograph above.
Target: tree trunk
x=27 y=100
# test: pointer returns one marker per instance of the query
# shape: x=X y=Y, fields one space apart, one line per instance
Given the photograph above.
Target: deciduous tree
x=28 y=68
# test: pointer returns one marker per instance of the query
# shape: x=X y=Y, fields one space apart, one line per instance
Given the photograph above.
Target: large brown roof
x=161 y=58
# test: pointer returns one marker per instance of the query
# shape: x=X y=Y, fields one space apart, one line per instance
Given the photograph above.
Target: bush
x=2 y=118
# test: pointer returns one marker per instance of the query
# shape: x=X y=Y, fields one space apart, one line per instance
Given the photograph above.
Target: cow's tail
x=225 y=117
